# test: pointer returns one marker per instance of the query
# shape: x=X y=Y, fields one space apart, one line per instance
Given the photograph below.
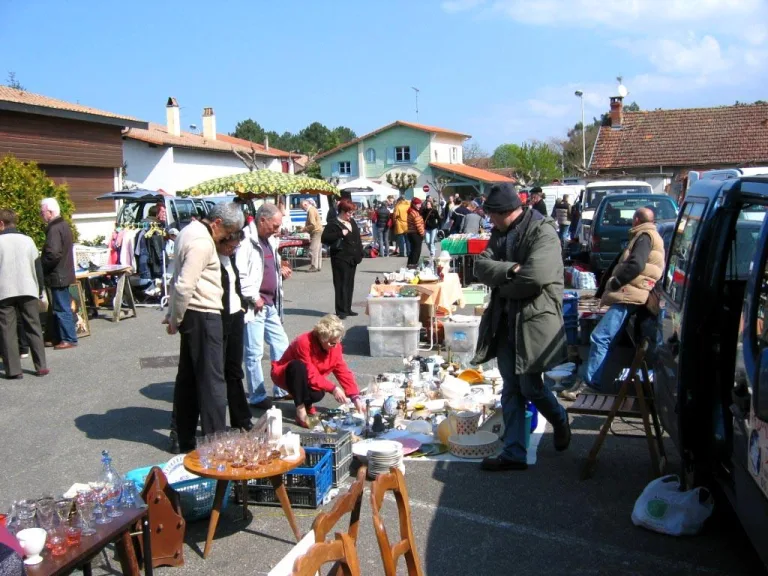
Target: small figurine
x=390 y=406
x=377 y=281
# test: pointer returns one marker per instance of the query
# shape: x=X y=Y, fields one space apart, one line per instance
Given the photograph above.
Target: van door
x=182 y=210
x=750 y=411
x=674 y=287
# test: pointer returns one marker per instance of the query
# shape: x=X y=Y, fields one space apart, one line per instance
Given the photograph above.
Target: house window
x=402 y=154
x=453 y=154
x=345 y=168
x=370 y=156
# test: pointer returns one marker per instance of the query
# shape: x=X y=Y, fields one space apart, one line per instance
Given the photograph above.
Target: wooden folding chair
x=350 y=504
x=406 y=546
x=634 y=400
x=342 y=551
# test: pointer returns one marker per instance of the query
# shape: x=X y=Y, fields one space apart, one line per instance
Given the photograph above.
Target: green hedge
x=22 y=187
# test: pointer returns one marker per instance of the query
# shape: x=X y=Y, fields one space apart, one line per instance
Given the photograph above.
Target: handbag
x=42 y=304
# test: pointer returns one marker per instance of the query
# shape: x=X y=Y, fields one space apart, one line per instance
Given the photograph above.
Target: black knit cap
x=502 y=198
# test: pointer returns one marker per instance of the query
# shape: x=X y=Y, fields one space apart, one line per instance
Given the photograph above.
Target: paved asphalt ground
x=542 y=521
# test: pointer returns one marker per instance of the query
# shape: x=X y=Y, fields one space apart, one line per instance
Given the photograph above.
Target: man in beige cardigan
x=194 y=310
x=314 y=226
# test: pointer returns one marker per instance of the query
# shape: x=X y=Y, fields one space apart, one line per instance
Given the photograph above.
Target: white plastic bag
x=662 y=507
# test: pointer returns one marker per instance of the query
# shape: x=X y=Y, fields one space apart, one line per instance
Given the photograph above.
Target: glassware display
x=130 y=496
x=86 y=501
x=99 y=513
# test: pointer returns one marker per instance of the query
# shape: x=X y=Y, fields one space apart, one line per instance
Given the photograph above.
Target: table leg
x=87 y=569
x=244 y=496
x=131 y=300
x=282 y=495
x=218 y=501
x=127 y=554
x=146 y=535
x=117 y=304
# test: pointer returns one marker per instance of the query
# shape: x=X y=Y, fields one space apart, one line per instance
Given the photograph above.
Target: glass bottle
x=113 y=486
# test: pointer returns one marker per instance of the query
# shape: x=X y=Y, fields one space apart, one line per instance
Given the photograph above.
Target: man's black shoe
x=174 y=447
x=265 y=404
x=352 y=314
x=563 y=436
x=499 y=464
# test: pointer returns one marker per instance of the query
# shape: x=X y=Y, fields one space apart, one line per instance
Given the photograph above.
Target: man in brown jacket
x=313 y=226
x=630 y=282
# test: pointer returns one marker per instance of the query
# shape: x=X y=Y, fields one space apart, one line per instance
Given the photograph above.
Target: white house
x=167 y=158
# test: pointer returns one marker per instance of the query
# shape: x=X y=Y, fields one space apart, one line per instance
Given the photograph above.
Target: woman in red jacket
x=304 y=368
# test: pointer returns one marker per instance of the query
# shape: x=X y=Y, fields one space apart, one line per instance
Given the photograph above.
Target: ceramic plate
x=430 y=449
x=410 y=445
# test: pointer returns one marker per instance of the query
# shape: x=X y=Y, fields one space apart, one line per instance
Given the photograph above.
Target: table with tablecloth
x=441 y=295
x=289 y=248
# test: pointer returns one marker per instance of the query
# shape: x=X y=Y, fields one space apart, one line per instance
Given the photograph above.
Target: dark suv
x=613 y=220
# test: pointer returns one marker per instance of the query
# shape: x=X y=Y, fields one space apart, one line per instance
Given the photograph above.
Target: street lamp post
x=416 y=90
x=580 y=94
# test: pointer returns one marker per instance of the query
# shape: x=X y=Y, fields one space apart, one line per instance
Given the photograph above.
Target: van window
x=183 y=210
x=760 y=318
x=594 y=194
x=681 y=252
x=297 y=199
x=619 y=212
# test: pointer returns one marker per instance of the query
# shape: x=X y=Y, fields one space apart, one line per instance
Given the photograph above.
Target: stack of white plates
x=380 y=454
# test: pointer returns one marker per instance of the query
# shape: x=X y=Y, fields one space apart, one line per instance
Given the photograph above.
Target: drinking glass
x=128 y=499
x=98 y=510
x=205 y=451
x=73 y=533
x=58 y=544
x=25 y=513
x=45 y=514
x=112 y=499
x=85 y=510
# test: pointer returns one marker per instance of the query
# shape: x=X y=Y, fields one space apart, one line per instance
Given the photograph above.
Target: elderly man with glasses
x=261 y=280
x=194 y=311
x=304 y=369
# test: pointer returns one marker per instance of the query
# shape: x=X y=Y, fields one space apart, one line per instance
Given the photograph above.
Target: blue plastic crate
x=571 y=304
x=572 y=334
x=196 y=494
x=306 y=485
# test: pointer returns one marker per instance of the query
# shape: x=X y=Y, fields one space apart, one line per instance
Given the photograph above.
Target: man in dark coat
x=58 y=262
x=537 y=200
x=523 y=325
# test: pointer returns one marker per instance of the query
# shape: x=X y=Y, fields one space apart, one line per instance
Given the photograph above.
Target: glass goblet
x=63 y=508
x=45 y=514
x=85 y=511
x=99 y=513
x=112 y=500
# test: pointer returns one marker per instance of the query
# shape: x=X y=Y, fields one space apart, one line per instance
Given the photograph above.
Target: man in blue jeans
x=626 y=288
x=261 y=282
x=523 y=325
x=58 y=263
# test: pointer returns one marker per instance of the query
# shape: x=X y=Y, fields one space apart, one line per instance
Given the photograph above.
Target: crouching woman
x=304 y=368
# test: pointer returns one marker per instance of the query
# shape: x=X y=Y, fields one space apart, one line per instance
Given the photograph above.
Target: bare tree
x=473 y=151
x=439 y=184
x=252 y=160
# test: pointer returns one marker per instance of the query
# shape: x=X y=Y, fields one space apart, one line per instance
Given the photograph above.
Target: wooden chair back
x=341 y=551
x=348 y=504
x=406 y=546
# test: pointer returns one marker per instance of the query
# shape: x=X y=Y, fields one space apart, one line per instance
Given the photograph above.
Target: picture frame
x=82 y=323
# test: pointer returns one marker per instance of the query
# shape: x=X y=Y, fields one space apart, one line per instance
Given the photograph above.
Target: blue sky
x=501 y=70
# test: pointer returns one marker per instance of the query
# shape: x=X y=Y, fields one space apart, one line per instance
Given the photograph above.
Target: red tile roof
x=29 y=102
x=727 y=135
x=158 y=134
x=472 y=172
x=422 y=127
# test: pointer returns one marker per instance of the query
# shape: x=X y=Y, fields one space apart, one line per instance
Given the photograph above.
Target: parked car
x=594 y=192
x=613 y=220
x=711 y=364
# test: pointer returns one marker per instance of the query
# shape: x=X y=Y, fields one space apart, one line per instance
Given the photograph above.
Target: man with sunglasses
x=261 y=280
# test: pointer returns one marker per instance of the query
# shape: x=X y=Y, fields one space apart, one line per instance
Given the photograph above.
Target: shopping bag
x=663 y=507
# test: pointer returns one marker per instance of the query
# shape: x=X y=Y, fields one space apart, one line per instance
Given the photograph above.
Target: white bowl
x=477 y=445
x=452 y=388
x=32 y=541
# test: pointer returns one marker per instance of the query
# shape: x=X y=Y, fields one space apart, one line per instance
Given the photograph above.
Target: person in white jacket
x=261 y=282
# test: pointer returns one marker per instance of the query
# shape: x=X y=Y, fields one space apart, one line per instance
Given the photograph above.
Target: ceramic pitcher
x=464 y=422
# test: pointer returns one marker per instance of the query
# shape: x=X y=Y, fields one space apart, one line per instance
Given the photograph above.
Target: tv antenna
x=417 y=101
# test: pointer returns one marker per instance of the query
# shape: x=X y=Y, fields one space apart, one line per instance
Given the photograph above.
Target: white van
x=594 y=192
x=555 y=192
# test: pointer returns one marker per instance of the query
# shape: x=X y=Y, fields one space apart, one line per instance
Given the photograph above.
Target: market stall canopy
x=365 y=185
x=262 y=183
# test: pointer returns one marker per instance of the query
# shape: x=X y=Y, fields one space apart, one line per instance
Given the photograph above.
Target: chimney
x=172 y=117
x=617 y=111
x=266 y=142
x=209 y=124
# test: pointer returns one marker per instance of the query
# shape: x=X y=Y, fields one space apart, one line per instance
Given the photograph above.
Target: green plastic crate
x=474 y=297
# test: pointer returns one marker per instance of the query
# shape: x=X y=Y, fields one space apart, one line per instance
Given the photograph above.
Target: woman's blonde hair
x=329 y=327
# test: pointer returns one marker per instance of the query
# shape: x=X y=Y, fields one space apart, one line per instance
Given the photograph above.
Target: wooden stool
x=634 y=400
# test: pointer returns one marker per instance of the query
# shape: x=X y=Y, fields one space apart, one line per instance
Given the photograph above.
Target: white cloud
x=452 y=6
x=548 y=109
x=704 y=56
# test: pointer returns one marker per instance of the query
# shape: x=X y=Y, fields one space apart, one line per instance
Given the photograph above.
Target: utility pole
x=417 y=101
x=580 y=95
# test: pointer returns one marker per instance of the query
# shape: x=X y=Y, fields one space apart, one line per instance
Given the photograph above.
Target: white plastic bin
x=393 y=342
x=461 y=333
x=393 y=312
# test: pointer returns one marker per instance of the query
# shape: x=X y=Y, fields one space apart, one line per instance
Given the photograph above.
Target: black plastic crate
x=341 y=472
x=339 y=442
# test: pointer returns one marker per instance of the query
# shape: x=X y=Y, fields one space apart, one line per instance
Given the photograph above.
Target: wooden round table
x=273 y=472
